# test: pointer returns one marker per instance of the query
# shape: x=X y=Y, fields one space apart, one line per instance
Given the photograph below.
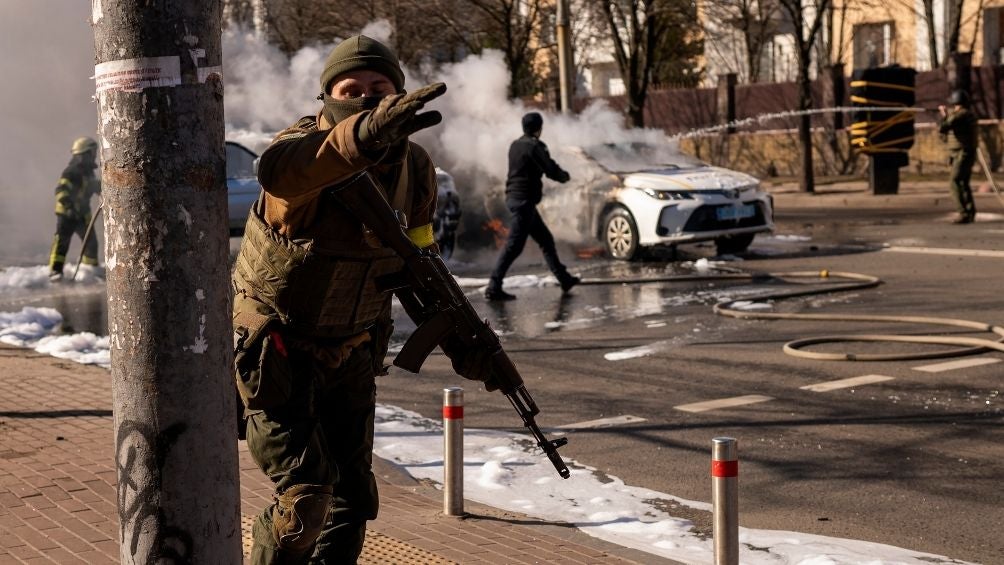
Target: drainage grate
x=378 y=549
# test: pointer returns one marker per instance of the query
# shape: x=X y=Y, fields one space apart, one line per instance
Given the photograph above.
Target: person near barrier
x=310 y=327
x=959 y=130
x=76 y=186
x=529 y=161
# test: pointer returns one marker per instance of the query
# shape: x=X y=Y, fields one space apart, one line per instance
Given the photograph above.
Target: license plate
x=735 y=212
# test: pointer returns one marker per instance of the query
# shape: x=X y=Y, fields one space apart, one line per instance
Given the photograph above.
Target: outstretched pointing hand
x=397 y=117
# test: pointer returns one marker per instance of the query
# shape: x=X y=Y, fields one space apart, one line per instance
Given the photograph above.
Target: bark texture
x=160 y=98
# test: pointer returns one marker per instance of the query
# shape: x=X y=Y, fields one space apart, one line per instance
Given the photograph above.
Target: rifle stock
x=433 y=299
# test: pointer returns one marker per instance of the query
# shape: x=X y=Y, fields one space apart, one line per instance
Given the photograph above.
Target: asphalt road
x=913 y=461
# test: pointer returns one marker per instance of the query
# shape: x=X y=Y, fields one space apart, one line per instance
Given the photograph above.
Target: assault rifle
x=433 y=299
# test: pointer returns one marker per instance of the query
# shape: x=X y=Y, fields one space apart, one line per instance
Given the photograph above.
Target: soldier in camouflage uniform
x=73 y=206
x=310 y=328
x=959 y=129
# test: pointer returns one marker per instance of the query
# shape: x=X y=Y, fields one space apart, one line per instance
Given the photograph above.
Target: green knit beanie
x=361 y=52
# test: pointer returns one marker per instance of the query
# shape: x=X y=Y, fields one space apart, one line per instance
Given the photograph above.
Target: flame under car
x=637 y=196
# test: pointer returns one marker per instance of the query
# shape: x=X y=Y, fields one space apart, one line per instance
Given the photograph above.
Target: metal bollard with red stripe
x=453 y=451
x=725 y=499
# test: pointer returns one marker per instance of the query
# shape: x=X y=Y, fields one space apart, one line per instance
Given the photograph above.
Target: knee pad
x=299 y=515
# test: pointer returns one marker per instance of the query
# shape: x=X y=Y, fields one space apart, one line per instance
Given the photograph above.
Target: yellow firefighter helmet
x=83 y=145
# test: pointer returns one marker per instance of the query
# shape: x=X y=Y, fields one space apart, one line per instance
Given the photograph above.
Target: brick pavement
x=58 y=492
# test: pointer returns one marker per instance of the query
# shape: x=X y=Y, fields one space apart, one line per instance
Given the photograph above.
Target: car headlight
x=668 y=194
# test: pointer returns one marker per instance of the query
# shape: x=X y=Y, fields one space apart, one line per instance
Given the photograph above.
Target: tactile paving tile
x=378 y=549
x=246 y=541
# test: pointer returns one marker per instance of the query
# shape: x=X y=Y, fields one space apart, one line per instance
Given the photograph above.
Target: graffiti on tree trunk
x=140 y=454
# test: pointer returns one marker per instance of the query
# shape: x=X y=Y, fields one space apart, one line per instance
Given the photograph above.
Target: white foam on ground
x=85 y=348
x=472 y=282
x=37 y=328
x=783 y=237
x=28 y=326
x=636 y=352
x=747 y=305
x=37 y=277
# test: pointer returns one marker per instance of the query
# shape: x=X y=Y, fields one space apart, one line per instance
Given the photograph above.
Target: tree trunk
x=932 y=33
x=806 y=181
x=160 y=95
x=754 y=49
x=636 y=109
x=954 y=28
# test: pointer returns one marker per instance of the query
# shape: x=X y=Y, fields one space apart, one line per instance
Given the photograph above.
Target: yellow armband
x=422 y=236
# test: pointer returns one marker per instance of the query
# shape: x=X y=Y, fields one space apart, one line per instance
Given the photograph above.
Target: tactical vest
x=324 y=283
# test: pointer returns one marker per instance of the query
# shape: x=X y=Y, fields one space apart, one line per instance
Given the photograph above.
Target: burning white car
x=634 y=196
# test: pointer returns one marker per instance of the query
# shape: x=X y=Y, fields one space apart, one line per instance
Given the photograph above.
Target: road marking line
x=603 y=422
x=723 y=403
x=846 y=383
x=960 y=364
x=946 y=251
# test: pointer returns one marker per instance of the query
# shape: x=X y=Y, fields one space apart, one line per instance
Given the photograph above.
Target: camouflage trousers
x=323 y=436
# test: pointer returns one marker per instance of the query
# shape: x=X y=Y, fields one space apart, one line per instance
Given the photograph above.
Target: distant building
x=596 y=72
x=857 y=33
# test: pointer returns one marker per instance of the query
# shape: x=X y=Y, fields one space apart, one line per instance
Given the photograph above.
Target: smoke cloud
x=266 y=91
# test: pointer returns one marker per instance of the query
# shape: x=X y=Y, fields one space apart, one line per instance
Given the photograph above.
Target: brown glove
x=397 y=117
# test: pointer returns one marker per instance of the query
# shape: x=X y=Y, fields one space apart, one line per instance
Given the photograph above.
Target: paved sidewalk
x=58 y=491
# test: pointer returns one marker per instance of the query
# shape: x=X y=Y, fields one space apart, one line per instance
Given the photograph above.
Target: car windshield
x=632 y=157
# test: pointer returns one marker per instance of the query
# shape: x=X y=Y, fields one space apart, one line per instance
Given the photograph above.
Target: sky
x=505 y=470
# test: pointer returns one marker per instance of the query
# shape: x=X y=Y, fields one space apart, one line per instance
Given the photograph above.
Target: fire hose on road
x=850 y=281
x=970 y=345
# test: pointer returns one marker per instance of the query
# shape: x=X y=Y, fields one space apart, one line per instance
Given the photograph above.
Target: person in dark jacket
x=529 y=160
x=958 y=128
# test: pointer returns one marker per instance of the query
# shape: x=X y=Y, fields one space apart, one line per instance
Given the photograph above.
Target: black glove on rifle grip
x=473 y=363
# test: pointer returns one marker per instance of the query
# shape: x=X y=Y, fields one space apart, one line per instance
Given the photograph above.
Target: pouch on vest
x=261 y=362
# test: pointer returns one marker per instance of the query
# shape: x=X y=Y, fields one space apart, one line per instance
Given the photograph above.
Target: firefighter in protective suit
x=310 y=328
x=76 y=186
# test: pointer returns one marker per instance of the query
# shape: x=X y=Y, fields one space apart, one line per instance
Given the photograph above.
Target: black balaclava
x=337 y=110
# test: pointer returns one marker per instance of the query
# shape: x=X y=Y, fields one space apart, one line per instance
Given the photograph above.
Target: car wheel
x=732 y=244
x=620 y=234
